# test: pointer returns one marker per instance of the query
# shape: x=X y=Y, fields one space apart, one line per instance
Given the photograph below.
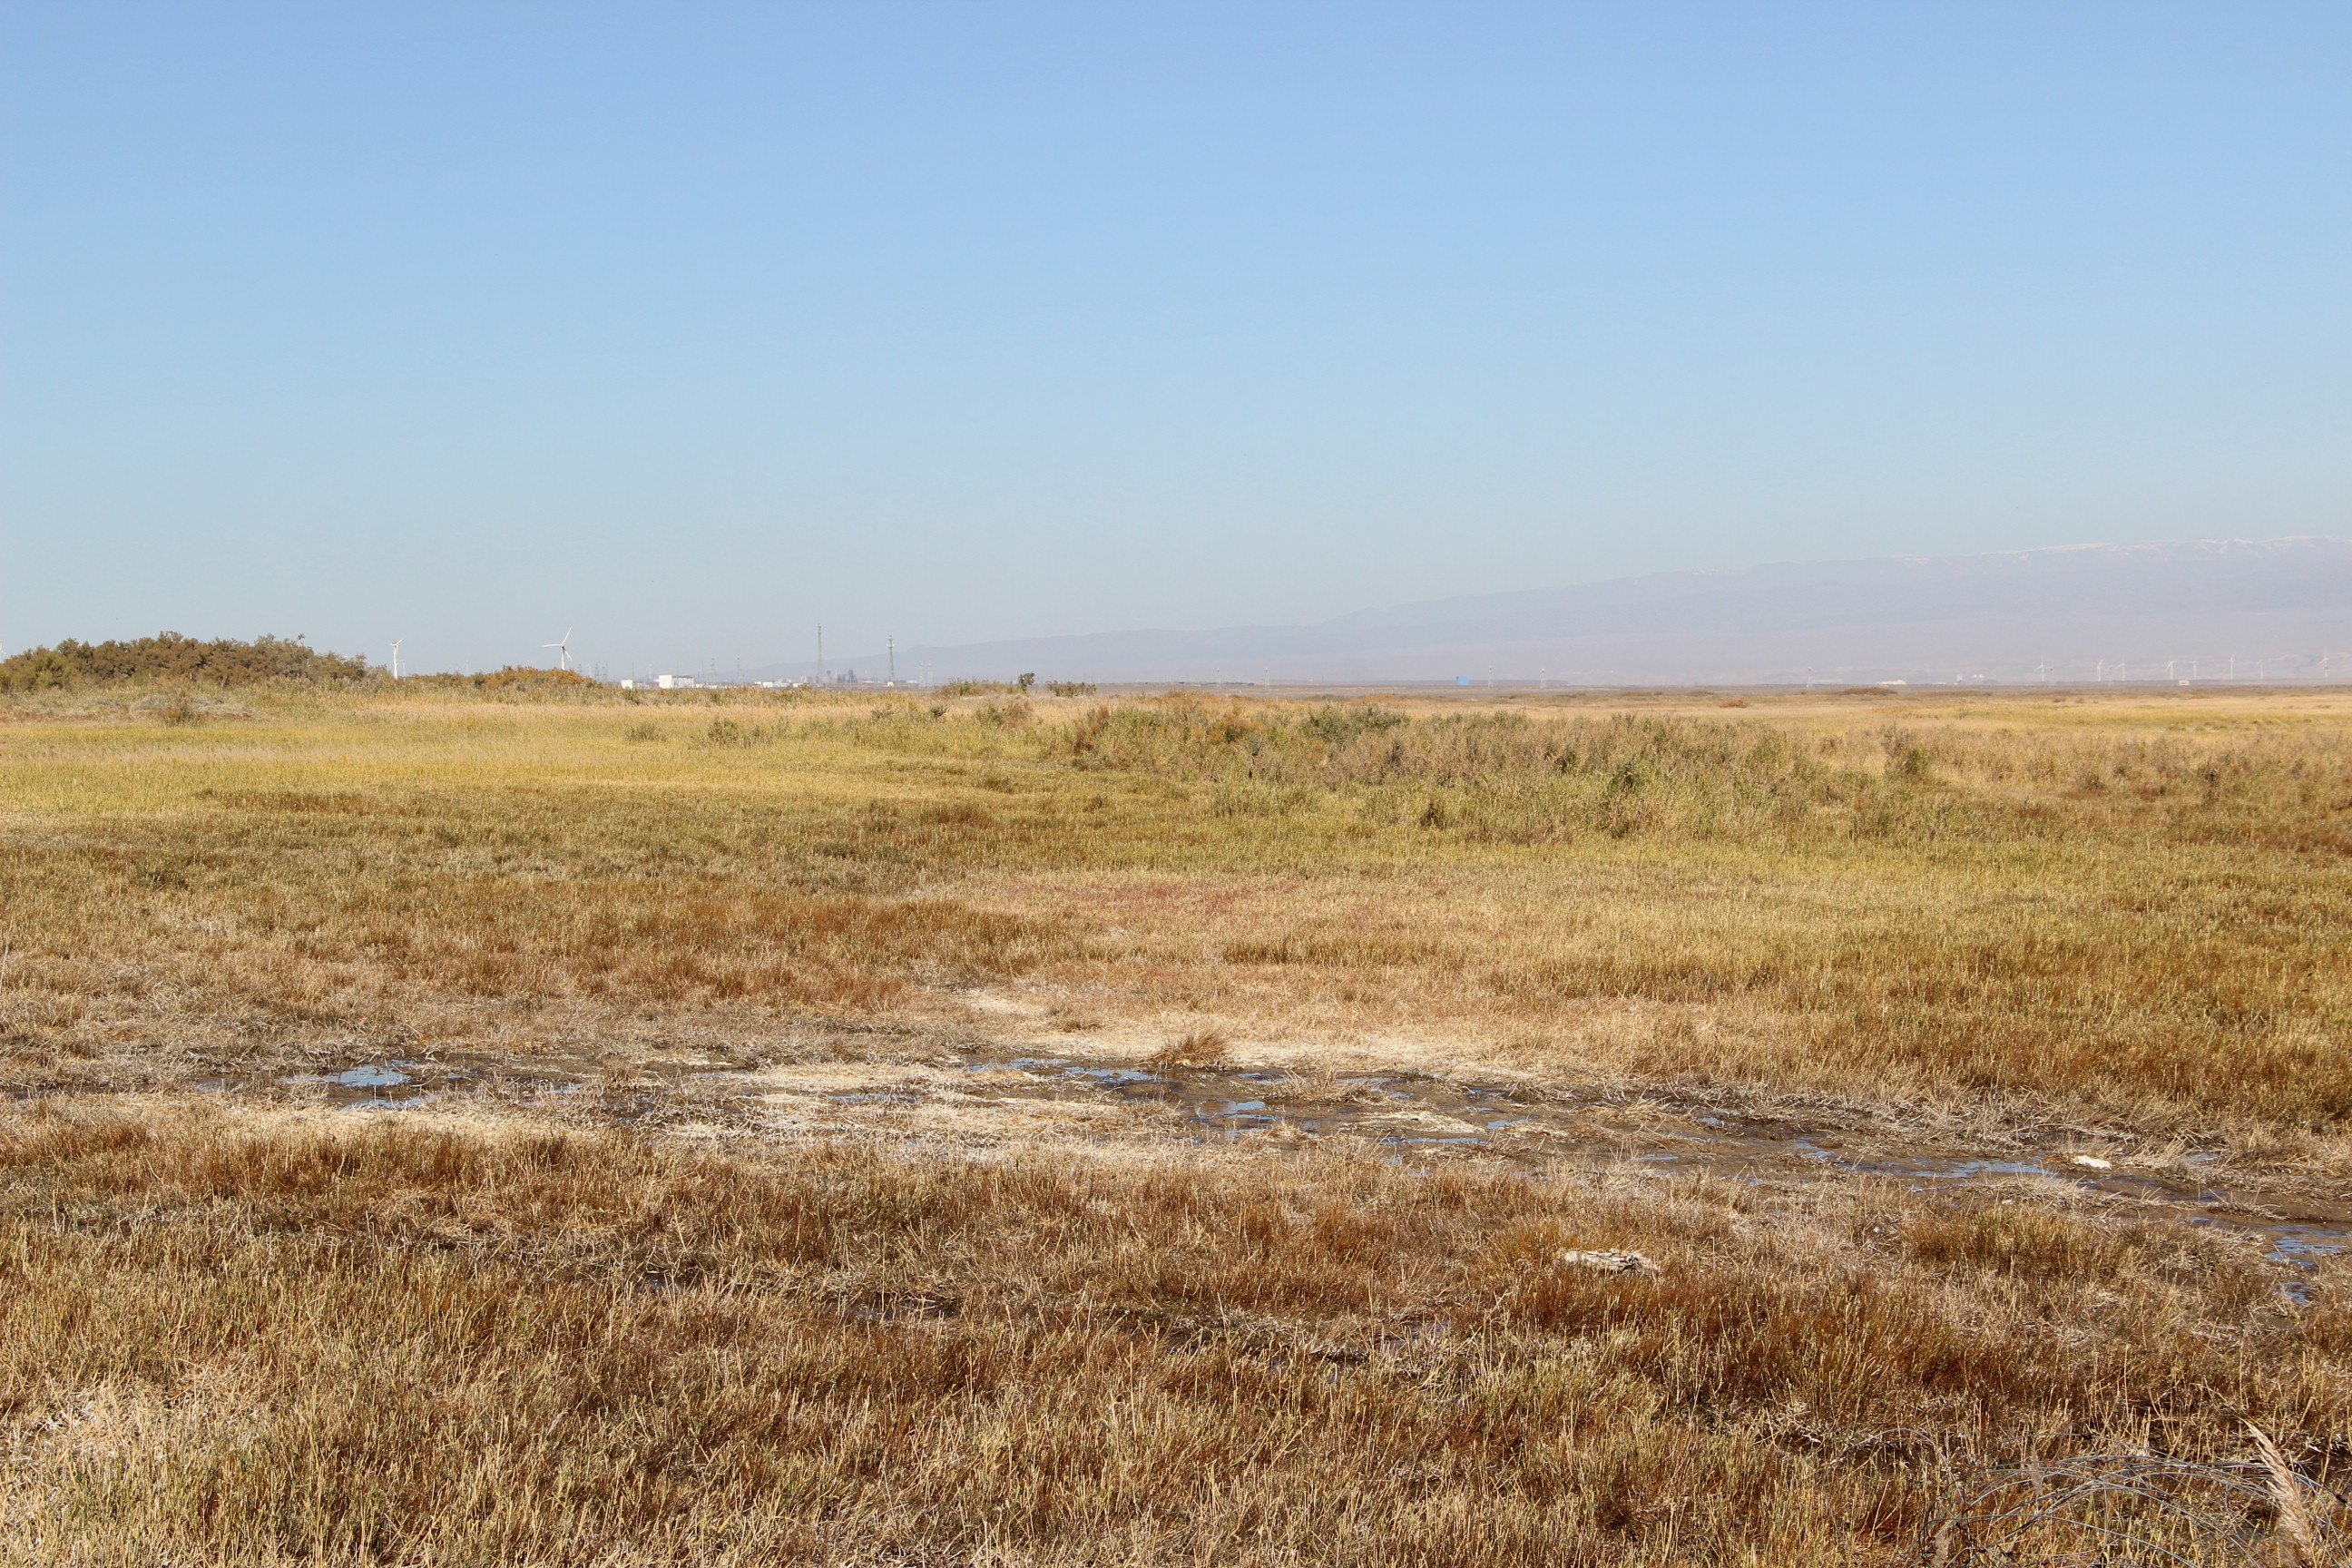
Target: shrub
x=529 y=678
x=1201 y=1048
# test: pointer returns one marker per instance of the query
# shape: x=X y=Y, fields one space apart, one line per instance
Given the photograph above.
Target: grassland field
x=743 y=1126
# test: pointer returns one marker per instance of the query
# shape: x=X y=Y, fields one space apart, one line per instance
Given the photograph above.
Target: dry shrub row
x=1512 y=778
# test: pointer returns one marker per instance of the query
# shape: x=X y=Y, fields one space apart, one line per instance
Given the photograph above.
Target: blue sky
x=689 y=326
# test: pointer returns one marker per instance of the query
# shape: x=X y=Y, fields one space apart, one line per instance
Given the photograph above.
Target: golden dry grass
x=2136 y=915
x=241 y=1334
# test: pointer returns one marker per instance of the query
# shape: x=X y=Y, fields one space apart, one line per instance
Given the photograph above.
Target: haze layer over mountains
x=2276 y=608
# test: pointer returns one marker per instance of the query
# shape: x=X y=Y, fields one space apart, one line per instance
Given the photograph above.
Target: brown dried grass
x=1200 y=1048
x=386 y=1343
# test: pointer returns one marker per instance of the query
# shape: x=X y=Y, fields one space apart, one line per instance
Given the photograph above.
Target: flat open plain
x=748 y=1128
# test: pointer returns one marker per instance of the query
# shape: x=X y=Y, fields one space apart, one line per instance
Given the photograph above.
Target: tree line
x=172 y=658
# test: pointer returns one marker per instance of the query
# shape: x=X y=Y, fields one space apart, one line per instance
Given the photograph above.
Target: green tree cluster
x=173 y=659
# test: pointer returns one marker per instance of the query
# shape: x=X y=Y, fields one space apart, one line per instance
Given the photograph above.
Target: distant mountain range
x=2281 y=608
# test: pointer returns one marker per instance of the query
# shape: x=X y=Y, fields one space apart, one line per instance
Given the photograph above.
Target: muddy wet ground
x=980 y=1095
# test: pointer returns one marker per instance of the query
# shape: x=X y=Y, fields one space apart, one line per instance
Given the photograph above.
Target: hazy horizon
x=2282 y=608
x=2269 y=610
x=689 y=329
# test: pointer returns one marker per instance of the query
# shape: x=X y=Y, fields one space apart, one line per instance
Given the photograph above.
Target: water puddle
x=401 y=1084
x=2304 y=1244
x=370 y=1086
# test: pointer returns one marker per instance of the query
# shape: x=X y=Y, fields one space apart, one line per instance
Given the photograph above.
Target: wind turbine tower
x=396 y=659
x=563 y=649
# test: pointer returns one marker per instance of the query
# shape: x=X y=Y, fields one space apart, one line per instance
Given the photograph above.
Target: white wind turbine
x=563 y=649
x=396 y=659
